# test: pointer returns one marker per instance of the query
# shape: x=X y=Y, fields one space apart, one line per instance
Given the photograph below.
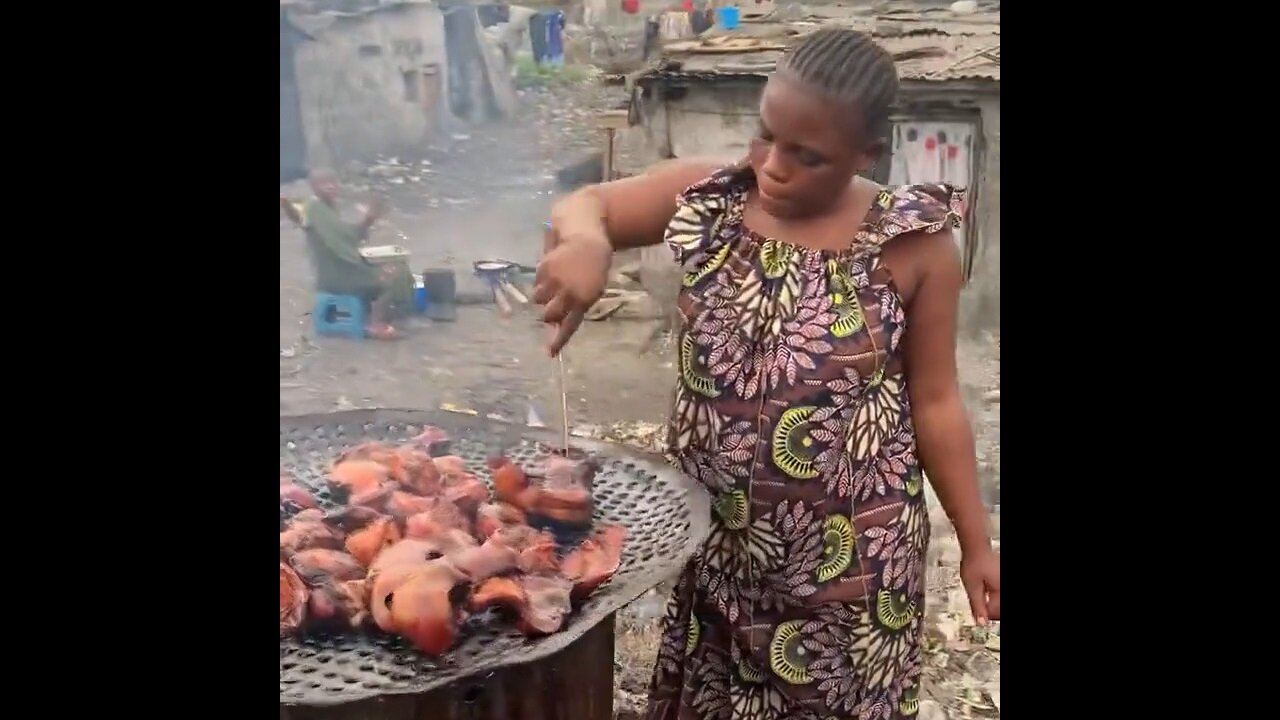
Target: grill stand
x=575 y=683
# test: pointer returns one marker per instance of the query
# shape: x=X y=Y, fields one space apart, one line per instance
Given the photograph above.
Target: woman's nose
x=774 y=166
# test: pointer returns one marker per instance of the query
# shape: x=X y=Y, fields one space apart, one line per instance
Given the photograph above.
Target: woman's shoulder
x=714 y=179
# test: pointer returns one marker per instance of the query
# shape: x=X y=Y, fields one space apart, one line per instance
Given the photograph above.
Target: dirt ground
x=483 y=193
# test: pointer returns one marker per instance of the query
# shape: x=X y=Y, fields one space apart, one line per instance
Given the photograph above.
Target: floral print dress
x=791 y=407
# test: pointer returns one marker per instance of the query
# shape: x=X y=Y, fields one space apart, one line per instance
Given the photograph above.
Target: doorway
x=293 y=143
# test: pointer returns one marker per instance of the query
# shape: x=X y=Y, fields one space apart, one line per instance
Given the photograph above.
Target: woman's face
x=807 y=151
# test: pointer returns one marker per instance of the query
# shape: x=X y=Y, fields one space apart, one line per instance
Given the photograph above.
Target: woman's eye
x=809 y=159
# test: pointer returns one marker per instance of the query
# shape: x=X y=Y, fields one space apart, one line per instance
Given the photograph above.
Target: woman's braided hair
x=850 y=67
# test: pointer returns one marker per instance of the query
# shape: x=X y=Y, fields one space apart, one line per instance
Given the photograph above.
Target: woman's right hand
x=571 y=277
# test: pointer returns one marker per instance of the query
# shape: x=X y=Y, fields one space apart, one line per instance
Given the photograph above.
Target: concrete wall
x=980 y=305
x=353 y=84
x=718 y=120
x=609 y=14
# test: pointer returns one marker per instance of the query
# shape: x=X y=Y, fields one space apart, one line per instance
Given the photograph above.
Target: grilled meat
x=305 y=531
x=594 y=561
x=365 y=544
x=540 y=603
x=293 y=601
x=420 y=543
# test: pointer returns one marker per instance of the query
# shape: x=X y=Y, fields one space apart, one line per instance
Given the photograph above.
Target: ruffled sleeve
x=927 y=207
x=696 y=232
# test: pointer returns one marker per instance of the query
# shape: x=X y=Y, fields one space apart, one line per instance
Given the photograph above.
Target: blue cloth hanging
x=538 y=37
x=555 y=37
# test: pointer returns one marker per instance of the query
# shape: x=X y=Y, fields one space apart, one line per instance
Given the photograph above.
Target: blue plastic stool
x=339 y=315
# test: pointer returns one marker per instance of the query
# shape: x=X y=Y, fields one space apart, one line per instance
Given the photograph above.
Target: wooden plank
x=613 y=119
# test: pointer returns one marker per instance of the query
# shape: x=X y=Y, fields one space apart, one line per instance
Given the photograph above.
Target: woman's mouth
x=771 y=204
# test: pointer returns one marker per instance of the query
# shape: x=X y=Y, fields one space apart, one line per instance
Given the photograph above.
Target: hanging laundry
x=700 y=20
x=538 y=37
x=652 y=32
x=555 y=37
x=929 y=152
x=491 y=15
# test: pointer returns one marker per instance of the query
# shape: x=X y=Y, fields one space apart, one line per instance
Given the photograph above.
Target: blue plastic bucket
x=420 y=298
x=728 y=17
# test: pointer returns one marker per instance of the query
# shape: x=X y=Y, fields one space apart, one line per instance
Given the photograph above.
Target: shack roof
x=928 y=43
x=317 y=23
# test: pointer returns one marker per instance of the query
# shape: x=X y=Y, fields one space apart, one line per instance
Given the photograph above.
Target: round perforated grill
x=664 y=513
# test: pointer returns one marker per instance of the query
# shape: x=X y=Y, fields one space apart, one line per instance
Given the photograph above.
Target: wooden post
x=611 y=121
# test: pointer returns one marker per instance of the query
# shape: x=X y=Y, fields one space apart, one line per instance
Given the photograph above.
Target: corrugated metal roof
x=928 y=46
x=919 y=57
x=316 y=23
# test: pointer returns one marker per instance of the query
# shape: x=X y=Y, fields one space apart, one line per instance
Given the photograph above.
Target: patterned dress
x=806 y=600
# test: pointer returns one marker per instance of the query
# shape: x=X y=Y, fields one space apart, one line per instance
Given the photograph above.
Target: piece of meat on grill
x=339 y=605
x=492 y=517
x=536 y=548
x=337 y=597
x=416 y=551
x=594 y=561
x=349 y=518
x=407 y=465
x=365 y=544
x=466 y=491
x=305 y=531
x=350 y=478
x=403 y=505
x=421 y=607
x=375 y=498
x=434 y=440
x=421 y=475
x=424 y=606
x=295 y=498
x=509 y=479
x=389 y=499
x=540 y=603
x=398 y=563
x=293 y=600
x=440 y=515
x=484 y=561
x=558 y=490
x=320 y=565
x=450 y=464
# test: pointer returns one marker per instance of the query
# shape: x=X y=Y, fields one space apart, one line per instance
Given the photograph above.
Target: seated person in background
x=333 y=245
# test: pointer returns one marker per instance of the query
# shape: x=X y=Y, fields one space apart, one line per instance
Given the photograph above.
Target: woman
x=334 y=246
x=817 y=379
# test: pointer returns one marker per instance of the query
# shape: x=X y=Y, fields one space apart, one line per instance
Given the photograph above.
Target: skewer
x=564 y=403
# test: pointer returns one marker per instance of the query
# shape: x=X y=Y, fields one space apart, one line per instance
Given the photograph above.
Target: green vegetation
x=530 y=74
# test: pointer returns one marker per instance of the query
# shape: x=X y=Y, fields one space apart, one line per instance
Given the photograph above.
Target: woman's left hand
x=980 y=573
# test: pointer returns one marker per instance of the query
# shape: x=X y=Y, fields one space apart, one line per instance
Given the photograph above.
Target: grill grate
x=665 y=514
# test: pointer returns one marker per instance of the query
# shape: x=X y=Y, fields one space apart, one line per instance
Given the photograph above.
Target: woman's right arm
x=589 y=225
x=632 y=212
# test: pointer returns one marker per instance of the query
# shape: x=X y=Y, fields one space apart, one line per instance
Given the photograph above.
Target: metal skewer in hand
x=559 y=356
x=564 y=403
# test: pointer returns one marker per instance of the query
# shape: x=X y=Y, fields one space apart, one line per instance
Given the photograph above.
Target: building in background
x=368 y=82
x=382 y=80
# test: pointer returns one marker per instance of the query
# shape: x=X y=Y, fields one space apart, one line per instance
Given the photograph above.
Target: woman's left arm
x=942 y=425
